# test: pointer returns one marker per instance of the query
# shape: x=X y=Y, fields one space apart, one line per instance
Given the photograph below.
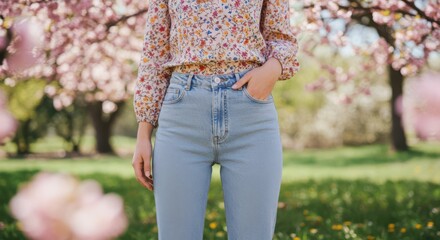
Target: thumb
x=241 y=81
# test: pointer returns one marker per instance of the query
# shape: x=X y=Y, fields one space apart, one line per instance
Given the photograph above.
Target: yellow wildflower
x=430 y=224
x=337 y=227
x=213 y=225
x=391 y=227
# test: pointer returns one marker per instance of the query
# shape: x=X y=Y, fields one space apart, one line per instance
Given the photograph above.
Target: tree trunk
x=103 y=124
x=398 y=138
x=21 y=138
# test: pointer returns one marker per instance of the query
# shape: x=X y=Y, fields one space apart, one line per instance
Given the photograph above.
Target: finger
x=242 y=81
x=143 y=181
x=137 y=165
x=147 y=167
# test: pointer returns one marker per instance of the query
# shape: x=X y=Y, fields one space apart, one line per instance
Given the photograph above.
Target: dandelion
x=313 y=230
x=430 y=224
x=213 y=225
x=337 y=227
x=220 y=234
x=296 y=238
x=418 y=226
x=403 y=230
x=391 y=227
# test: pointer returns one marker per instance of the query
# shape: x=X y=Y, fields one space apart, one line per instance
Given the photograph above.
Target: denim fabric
x=203 y=121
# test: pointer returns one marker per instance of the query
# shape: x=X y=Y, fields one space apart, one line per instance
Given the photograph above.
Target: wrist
x=275 y=65
x=145 y=130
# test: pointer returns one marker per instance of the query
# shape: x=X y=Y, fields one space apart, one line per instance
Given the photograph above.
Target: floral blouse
x=209 y=37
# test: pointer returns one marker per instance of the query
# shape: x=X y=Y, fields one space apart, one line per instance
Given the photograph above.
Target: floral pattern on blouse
x=210 y=37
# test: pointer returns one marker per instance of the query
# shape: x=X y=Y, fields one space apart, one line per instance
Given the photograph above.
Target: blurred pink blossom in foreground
x=24 y=50
x=423 y=106
x=58 y=206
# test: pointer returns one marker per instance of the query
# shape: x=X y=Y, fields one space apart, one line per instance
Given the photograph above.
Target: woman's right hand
x=142 y=156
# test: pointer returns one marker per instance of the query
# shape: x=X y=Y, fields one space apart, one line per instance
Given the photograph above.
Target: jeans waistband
x=212 y=81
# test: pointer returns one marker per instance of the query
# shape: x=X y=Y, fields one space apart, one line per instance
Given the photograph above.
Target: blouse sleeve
x=152 y=79
x=281 y=42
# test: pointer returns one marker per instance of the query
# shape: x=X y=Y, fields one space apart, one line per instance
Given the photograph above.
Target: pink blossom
x=423 y=106
x=28 y=35
x=58 y=206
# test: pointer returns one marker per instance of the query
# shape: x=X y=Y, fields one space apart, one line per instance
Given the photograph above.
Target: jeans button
x=216 y=79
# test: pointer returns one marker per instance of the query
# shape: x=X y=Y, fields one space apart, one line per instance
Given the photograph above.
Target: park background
x=360 y=122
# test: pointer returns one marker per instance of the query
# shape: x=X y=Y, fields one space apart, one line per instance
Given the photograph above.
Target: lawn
x=342 y=193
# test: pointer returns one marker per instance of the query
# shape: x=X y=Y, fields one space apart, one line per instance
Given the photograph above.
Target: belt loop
x=188 y=81
x=237 y=76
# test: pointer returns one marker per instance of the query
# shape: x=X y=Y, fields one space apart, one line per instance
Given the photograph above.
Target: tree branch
x=420 y=12
x=124 y=18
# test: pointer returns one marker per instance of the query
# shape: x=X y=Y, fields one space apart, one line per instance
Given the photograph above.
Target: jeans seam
x=225 y=117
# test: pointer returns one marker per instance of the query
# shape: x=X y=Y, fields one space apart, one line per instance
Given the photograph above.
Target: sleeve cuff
x=286 y=55
x=147 y=118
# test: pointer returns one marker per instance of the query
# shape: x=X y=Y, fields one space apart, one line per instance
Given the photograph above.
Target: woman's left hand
x=261 y=80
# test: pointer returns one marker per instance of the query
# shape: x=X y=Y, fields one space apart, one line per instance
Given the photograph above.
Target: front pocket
x=269 y=99
x=173 y=94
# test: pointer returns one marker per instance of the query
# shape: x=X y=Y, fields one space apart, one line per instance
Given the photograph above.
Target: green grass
x=372 y=161
x=340 y=193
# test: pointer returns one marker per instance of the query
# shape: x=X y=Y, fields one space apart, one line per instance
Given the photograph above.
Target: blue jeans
x=203 y=121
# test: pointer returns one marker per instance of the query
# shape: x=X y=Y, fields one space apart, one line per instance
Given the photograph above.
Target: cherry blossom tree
x=407 y=31
x=91 y=49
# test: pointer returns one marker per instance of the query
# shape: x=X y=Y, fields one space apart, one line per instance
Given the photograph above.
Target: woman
x=205 y=80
